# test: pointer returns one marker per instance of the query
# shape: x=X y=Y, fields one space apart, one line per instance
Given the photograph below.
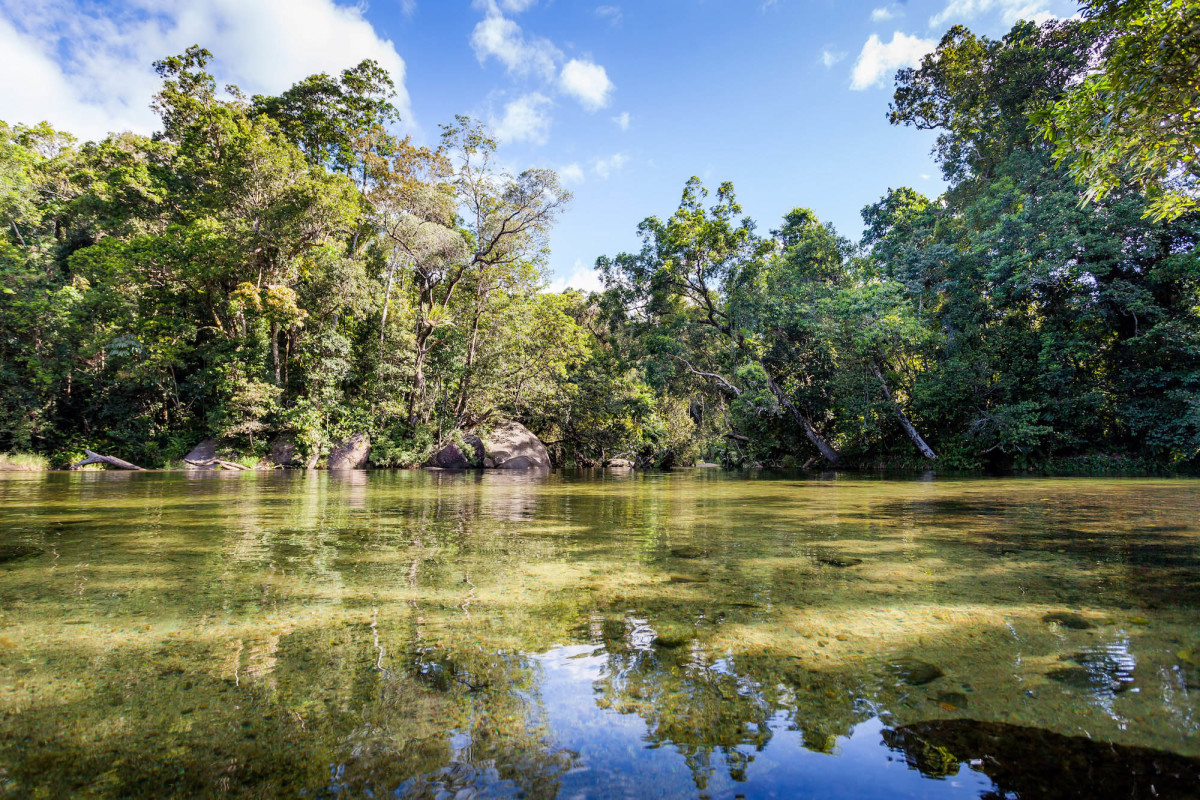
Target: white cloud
x=610 y=13
x=1010 y=11
x=408 y=7
x=623 y=119
x=88 y=68
x=582 y=277
x=500 y=37
x=517 y=6
x=878 y=61
x=525 y=120
x=885 y=13
x=831 y=57
x=571 y=173
x=586 y=82
x=604 y=167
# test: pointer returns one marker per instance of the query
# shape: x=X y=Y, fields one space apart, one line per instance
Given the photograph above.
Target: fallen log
x=96 y=458
x=216 y=462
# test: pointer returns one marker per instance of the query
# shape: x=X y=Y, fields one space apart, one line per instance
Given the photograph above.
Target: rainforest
x=269 y=269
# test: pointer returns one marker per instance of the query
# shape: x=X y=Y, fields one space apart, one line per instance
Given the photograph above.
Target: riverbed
x=597 y=634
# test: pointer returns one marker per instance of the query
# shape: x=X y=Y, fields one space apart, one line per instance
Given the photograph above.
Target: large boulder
x=206 y=451
x=449 y=457
x=510 y=445
x=454 y=457
x=283 y=452
x=350 y=454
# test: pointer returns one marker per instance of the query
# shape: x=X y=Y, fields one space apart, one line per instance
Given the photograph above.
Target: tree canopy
x=289 y=267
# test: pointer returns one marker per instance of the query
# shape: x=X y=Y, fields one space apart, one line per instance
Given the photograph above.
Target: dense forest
x=286 y=266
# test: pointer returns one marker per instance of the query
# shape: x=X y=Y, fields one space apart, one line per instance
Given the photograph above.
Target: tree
x=451 y=217
x=693 y=267
x=1135 y=117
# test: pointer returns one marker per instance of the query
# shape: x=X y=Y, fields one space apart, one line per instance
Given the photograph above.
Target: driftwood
x=216 y=462
x=96 y=458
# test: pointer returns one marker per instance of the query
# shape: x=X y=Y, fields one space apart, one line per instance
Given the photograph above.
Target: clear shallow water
x=695 y=634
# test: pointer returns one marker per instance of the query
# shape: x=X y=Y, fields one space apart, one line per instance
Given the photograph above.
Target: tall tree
x=1135 y=116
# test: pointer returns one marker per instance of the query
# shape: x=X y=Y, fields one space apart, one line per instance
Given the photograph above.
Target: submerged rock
x=1065 y=619
x=350 y=454
x=1083 y=678
x=1106 y=668
x=914 y=671
x=686 y=552
x=670 y=641
x=1032 y=762
x=838 y=561
x=952 y=701
x=13 y=552
x=687 y=579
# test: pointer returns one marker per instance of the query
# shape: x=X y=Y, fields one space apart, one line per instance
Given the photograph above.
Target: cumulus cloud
x=878 y=60
x=604 y=167
x=88 y=69
x=830 y=57
x=498 y=37
x=1010 y=11
x=885 y=13
x=586 y=82
x=571 y=173
x=525 y=120
x=581 y=277
x=623 y=119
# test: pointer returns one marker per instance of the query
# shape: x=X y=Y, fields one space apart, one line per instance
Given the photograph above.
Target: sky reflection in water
x=697 y=634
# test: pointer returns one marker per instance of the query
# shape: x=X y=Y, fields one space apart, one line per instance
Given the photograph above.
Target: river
x=692 y=634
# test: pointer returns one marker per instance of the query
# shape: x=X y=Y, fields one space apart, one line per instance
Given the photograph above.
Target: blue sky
x=786 y=98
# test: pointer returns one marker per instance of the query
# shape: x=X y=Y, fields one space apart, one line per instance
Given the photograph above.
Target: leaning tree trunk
x=823 y=446
x=96 y=458
x=909 y=428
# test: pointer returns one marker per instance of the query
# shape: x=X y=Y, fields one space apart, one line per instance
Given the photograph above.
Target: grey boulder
x=513 y=446
x=350 y=454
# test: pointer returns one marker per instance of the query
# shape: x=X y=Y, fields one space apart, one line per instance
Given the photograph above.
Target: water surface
x=692 y=634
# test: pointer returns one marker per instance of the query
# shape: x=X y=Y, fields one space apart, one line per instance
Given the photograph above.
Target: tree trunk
x=909 y=428
x=810 y=430
x=275 y=350
x=461 y=406
x=418 y=390
x=387 y=296
x=96 y=458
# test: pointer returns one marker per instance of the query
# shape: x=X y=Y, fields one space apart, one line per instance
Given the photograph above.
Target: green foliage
x=1136 y=119
x=276 y=266
x=286 y=266
x=1002 y=323
x=23 y=462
